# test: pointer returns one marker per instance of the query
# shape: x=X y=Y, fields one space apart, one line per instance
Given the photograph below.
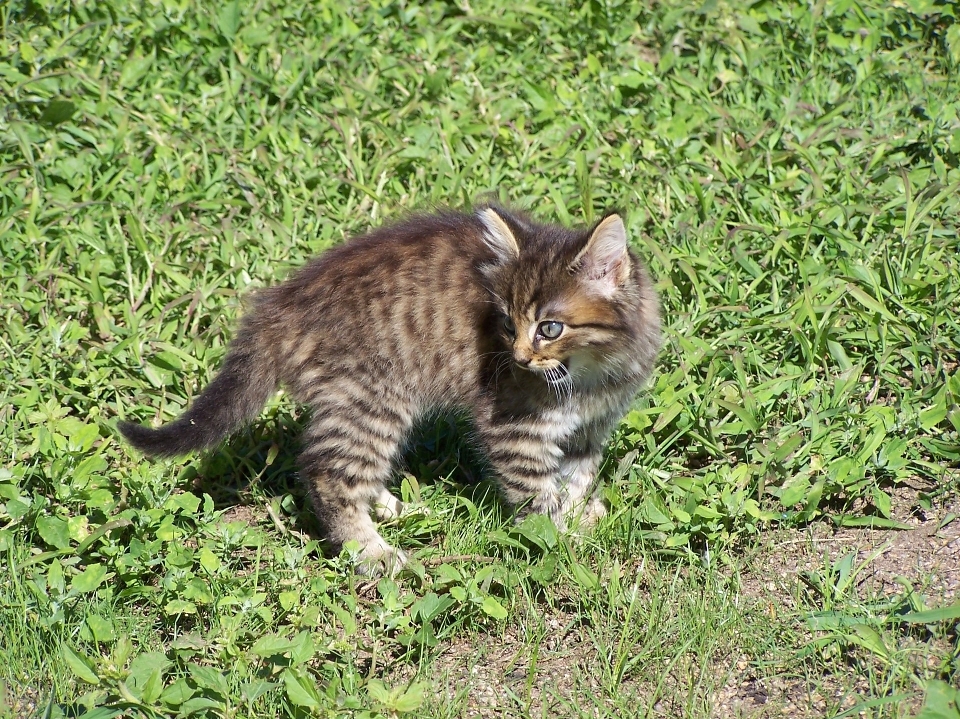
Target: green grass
x=791 y=173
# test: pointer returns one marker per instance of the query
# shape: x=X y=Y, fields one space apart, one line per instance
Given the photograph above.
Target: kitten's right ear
x=604 y=261
x=498 y=235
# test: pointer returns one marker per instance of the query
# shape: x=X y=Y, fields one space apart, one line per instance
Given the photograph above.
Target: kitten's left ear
x=604 y=260
x=498 y=235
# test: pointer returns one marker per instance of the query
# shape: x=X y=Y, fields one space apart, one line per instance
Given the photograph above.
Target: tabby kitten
x=540 y=334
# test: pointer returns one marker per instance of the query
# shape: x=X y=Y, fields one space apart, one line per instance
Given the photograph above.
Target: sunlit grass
x=790 y=174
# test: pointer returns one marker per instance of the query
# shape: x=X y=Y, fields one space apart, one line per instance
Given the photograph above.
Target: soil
x=925 y=558
x=493 y=676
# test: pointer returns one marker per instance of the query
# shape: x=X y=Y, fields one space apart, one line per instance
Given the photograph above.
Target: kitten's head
x=570 y=303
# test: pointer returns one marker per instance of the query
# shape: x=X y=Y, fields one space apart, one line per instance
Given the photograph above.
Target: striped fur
x=442 y=311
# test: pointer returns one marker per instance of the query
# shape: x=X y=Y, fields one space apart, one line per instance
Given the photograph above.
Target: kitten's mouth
x=562 y=365
x=556 y=374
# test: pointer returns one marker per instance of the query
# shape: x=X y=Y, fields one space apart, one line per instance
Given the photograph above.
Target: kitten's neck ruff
x=588 y=373
x=580 y=377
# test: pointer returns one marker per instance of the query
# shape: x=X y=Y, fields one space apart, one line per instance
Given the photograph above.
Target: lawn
x=783 y=537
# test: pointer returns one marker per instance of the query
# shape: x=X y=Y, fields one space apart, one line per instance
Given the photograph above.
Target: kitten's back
x=405 y=303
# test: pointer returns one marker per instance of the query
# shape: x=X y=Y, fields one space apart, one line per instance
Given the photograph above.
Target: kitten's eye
x=509 y=326
x=550 y=330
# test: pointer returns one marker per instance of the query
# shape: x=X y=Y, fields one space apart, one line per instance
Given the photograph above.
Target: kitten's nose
x=522 y=360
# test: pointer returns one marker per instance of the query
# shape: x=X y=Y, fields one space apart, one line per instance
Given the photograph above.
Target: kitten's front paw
x=584 y=516
x=593 y=512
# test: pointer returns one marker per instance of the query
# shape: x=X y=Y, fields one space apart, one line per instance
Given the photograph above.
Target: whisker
x=502 y=364
x=560 y=382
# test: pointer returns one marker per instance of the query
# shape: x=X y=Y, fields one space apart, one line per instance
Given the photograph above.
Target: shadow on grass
x=258 y=464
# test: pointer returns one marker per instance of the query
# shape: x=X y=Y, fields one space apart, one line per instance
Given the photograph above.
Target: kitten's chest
x=585 y=415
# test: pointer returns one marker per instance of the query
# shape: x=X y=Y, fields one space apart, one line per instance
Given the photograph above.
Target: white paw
x=379 y=559
x=593 y=512
x=386 y=506
x=583 y=516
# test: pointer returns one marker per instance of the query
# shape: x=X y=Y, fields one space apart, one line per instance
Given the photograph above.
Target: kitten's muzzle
x=523 y=356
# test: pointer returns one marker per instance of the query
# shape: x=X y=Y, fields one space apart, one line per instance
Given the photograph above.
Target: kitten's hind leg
x=347 y=518
x=347 y=460
x=593 y=511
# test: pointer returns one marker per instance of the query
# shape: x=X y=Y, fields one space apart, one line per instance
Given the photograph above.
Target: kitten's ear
x=604 y=260
x=498 y=236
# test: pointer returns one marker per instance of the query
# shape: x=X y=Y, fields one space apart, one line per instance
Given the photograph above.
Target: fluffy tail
x=236 y=395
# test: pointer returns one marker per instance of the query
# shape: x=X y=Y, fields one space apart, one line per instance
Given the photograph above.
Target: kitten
x=540 y=334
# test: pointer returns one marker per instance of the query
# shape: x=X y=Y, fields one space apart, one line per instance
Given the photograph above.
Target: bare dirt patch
x=247 y=514
x=925 y=558
x=505 y=676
